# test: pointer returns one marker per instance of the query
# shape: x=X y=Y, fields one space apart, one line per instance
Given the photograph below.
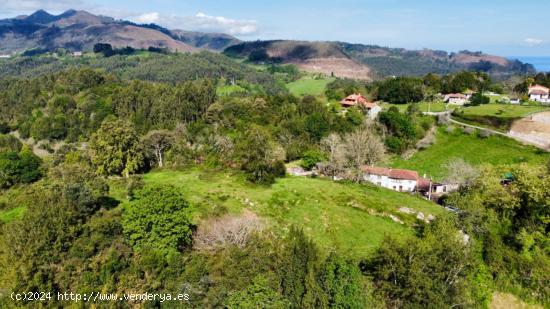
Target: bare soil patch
x=534 y=129
x=341 y=67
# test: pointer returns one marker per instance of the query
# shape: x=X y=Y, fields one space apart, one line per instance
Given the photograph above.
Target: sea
x=541 y=64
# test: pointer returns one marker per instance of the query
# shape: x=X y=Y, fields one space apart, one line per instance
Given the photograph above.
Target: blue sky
x=505 y=27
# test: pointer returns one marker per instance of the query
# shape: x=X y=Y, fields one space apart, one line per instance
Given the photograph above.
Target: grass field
x=308 y=86
x=496 y=150
x=503 y=110
x=497 y=116
x=353 y=218
x=424 y=106
x=12 y=214
x=229 y=89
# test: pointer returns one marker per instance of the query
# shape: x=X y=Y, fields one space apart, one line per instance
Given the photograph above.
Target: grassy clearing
x=353 y=218
x=308 y=86
x=12 y=214
x=497 y=116
x=229 y=89
x=503 y=110
x=496 y=150
x=509 y=301
x=424 y=106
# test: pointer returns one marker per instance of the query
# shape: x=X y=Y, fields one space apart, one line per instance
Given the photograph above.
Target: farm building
x=406 y=181
x=539 y=93
x=359 y=100
x=395 y=179
x=456 y=98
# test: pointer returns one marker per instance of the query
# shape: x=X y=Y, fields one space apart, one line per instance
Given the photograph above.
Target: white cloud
x=148 y=18
x=533 y=41
x=205 y=22
x=200 y=22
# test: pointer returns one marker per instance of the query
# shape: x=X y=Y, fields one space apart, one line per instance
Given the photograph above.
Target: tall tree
x=158 y=218
x=158 y=141
x=115 y=149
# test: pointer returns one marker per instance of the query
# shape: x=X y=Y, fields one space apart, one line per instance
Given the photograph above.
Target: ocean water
x=542 y=64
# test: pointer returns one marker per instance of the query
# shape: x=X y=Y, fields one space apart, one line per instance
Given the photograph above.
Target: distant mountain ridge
x=372 y=61
x=80 y=30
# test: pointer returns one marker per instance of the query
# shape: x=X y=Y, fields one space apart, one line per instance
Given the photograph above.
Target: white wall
x=391 y=183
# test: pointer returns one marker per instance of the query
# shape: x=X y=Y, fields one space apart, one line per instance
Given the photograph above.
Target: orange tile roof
x=357 y=99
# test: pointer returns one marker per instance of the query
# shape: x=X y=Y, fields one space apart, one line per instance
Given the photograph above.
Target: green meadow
x=496 y=150
x=350 y=217
x=308 y=85
x=503 y=110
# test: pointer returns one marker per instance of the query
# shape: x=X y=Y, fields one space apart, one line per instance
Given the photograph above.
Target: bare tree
x=227 y=230
x=332 y=145
x=158 y=141
x=460 y=172
x=363 y=147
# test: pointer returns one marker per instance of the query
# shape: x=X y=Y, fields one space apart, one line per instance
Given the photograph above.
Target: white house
x=395 y=179
x=456 y=98
x=77 y=54
x=539 y=93
x=372 y=109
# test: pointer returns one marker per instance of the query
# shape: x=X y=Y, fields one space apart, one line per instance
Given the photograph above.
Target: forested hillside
x=136 y=173
x=371 y=61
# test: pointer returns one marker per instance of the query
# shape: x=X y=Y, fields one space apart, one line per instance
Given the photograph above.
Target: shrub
x=484 y=134
x=227 y=230
x=468 y=130
x=158 y=218
x=450 y=129
x=22 y=167
x=4 y=128
x=311 y=158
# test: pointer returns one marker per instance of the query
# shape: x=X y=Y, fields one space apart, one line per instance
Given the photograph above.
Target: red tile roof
x=357 y=99
x=423 y=184
x=538 y=90
x=391 y=173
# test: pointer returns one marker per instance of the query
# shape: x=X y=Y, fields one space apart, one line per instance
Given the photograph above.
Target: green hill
x=495 y=150
x=354 y=218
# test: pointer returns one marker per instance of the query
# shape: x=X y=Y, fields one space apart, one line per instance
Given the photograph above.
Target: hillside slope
x=368 y=61
x=317 y=57
x=80 y=30
x=348 y=217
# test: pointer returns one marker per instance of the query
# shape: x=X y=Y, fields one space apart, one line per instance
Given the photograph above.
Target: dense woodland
x=119 y=117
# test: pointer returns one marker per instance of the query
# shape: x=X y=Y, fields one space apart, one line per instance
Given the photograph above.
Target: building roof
x=423 y=184
x=357 y=99
x=391 y=173
x=538 y=90
x=455 y=96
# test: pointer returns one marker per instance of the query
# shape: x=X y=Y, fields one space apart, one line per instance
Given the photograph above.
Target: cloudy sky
x=504 y=27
